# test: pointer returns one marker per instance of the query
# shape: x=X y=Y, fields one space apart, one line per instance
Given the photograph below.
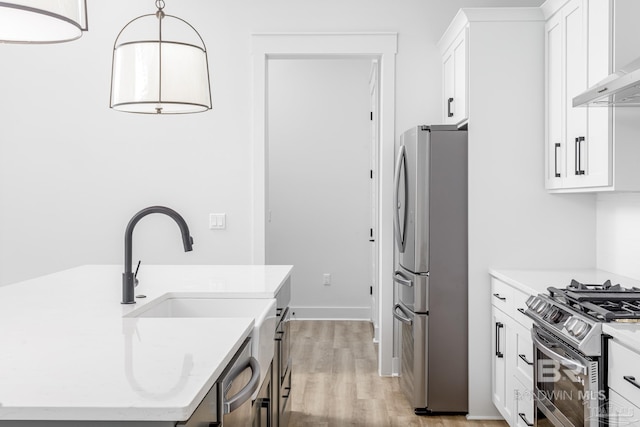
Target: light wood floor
x=335 y=381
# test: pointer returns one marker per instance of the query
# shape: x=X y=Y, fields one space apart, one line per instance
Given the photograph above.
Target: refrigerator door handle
x=402 y=161
x=402 y=316
x=398 y=277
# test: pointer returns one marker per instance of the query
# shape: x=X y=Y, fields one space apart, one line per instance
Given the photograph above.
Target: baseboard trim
x=484 y=417
x=395 y=366
x=331 y=313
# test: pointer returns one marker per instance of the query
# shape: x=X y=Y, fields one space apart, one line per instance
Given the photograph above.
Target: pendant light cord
x=160 y=14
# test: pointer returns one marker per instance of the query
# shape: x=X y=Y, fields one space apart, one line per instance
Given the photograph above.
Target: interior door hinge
x=372 y=116
x=370 y=290
x=371 y=174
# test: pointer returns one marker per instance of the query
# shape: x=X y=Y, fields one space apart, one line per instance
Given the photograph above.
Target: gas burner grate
x=605 y=302
x=605 y=287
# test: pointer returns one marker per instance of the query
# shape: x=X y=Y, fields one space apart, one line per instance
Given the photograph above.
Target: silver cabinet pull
x=501 y=298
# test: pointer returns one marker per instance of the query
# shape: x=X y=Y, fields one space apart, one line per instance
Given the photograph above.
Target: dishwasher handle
x=230 y=405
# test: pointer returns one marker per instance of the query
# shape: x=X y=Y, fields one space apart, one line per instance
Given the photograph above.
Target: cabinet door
x=555 y=168
x=597 y=149
x=523 y=355
x=579 y=150
x=455 y=80
x=502 y=375
x=574 y=32
x=448 y=73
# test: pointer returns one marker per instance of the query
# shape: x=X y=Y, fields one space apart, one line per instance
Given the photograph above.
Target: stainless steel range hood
x=621 y=89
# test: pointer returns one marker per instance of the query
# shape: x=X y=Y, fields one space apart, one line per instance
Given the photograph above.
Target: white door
x=373 y=194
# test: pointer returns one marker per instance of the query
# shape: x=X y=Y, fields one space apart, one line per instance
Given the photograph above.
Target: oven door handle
x=569 y=363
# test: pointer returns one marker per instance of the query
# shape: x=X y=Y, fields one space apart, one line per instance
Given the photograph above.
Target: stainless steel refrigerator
x=430 y=277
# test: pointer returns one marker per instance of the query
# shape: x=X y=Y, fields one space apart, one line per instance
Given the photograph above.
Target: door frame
x=381 y=46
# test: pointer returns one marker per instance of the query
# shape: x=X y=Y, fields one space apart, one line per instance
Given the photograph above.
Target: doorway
x=381 y=46
x=320 y=215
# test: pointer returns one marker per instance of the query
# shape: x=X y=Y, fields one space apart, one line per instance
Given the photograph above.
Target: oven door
x=566 y=384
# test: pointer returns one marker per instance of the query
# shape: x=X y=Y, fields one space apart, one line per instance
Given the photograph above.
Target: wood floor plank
x=335 y=381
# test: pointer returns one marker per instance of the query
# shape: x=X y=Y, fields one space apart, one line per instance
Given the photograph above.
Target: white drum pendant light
x=160 y=67
x=42 y=21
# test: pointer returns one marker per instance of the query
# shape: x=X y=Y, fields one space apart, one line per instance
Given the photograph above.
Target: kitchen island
x=69 y=353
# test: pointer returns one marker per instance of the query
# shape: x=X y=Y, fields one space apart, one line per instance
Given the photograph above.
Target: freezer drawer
x=413 y=378
x=413 y=290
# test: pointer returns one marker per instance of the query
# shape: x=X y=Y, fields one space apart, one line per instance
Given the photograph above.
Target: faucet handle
x=135 y=275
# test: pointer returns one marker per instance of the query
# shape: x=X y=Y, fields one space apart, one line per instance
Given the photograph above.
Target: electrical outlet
x=326 y=279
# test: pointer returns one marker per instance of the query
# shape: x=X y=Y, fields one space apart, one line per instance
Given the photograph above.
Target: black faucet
x=128 y=278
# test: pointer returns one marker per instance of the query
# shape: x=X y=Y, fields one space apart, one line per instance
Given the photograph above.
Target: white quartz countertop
x=539 y=280
x=626 y=333
x=67 y=353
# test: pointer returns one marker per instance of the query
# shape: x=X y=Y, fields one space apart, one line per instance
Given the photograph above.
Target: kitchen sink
x=263 y=311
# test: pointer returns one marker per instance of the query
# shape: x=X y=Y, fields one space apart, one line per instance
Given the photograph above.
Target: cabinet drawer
x=624 y=372
x=501 y=296
x=519 y=306
x=621 y=411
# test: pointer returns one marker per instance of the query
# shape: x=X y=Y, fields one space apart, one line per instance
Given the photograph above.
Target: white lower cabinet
x=624 y=385
x=512 y=367
x=621 y=411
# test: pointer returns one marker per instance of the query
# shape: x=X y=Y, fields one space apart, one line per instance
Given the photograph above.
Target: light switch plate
x=217 y=221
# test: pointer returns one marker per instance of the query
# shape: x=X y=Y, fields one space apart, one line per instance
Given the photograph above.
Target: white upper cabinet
x=455 y=80
x=587 y=148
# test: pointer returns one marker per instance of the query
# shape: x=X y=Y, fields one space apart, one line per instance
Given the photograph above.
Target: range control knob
x=555 y=315
x=531 y=300
x=569 y=325
x=580 y=329
x=534 y=304
x=541 y=307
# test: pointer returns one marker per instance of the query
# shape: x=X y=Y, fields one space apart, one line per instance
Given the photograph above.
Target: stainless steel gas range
x=570 y=350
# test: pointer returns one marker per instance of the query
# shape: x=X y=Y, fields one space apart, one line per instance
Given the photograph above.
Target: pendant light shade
x=160 y=67
x=42 y=21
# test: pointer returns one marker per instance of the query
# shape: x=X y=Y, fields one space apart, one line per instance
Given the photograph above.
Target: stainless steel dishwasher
x=228 y=403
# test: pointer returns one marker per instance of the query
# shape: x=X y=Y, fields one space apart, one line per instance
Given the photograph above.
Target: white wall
x=513 y=221
x=72 y=171
x=319 y=185
x=618 y=234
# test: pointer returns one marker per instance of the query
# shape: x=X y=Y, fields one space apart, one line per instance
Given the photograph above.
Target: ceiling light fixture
x=42 y=21
x=160 y=66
